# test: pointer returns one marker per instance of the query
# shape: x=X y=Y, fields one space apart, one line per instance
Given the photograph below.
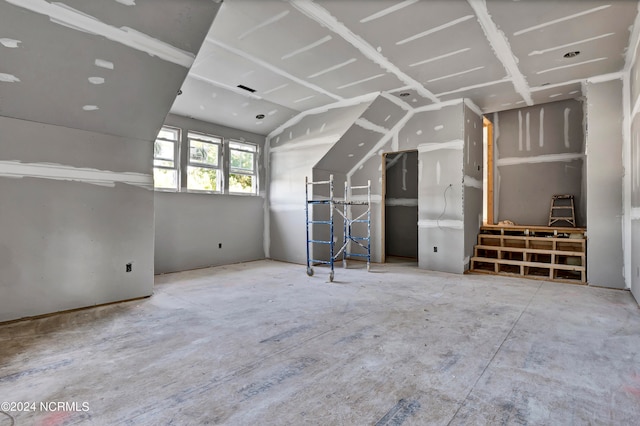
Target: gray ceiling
x=304 y=54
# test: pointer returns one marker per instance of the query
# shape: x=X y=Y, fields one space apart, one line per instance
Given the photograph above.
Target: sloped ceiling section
x=298 y=55
x=107 y=66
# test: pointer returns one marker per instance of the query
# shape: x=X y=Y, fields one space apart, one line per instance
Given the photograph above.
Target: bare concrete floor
x=261 y=343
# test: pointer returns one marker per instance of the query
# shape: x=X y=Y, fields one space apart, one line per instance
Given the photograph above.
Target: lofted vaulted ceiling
x=301 y=54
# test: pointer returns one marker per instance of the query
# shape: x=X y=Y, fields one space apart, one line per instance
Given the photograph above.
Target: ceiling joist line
x=502 y=49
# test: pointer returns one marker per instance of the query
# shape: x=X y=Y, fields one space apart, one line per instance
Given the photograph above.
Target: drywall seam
x=428 y=147
x=472 y=182
x=501 y=47
x=475 y=86
x=369 y=97
x=448 y=223
x=233 y=89
x=266 y=217
x=388 y=10
x=434 y=29
x=324 y=18
x=383 y=140
x=263 y=24
x=549 y=158
x=72 y=18
x=564 y=18
x=332 y=68
x=634 y=39
x=564 y=46
x=324 y=140
x=368 y=125
x=272 y=68
x=553 y=86
x=437 y=58
x=437 y=106
x=626 y=179
x=401 y=202
x=473 y=107
x=307 y=47
x=577 y=64
x=402 y=104
x=8 y=78
x=16 y=169
x=455 y=74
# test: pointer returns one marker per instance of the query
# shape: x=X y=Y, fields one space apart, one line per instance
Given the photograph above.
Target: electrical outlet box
x=219 y=245
x=435 y=249
x=129 y=267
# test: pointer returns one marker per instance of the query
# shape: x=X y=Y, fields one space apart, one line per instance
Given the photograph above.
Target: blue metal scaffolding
x=348 y=230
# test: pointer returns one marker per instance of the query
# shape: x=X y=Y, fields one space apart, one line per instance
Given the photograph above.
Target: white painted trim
x=501 y=47
x=473 y=107
x=565 y=18
x=448 y=223
x=366 y=124
x=369 y=97
x=472 y=182
x=72 y=18
x=324 y=18
x=428 y=147
x=16 y=169
x=401 y=202
x=549 y=158
x=272 y=68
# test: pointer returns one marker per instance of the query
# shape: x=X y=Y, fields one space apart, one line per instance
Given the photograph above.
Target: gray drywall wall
x=67 y=235
x=401 y=204
x=294 y=151
x=538 y=153
x=473 y=164
x=634 y=197
x=604 y=184
x=191 y=226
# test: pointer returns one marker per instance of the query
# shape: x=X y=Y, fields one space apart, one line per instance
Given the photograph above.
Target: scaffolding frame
x=348 y=233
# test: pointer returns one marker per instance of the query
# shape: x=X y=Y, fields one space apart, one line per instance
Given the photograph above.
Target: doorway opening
x=400 y=206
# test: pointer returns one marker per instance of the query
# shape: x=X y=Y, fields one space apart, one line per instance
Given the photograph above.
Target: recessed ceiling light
x=572 y=54
x=403 y=94
x=260 y=116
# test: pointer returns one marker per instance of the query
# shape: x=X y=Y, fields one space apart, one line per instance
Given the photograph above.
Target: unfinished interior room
x=323 y=212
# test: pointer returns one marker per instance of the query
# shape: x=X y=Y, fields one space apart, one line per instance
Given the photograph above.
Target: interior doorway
x=400 y=206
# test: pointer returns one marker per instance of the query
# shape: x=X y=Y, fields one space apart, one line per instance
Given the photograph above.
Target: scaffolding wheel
x=331 y=276
x=309 y=271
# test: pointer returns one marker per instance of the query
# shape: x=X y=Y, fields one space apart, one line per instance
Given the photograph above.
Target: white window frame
x=176 y=157
x=250 y=148
x=210 y=139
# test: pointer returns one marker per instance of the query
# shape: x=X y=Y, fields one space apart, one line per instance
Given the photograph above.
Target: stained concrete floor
x=262 y=343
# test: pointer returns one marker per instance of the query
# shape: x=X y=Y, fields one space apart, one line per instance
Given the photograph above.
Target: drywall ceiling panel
x=57 y=81
x=166 y=21
x=384 y=113
x=411 y=97
x=553 y=94
x=545 y=31
x=202 y=101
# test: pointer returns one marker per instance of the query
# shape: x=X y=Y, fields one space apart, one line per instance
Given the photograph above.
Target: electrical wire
x=444 y=195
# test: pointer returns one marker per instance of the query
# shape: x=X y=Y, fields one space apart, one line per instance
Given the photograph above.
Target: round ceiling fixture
x=572 y=54
x=404 y=94
x=260 y=116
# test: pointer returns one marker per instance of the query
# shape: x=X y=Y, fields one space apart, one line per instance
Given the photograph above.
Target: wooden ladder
x=562 y=209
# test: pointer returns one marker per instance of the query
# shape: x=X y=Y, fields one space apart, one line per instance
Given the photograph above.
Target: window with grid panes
x=243 y=178
x=204 y=172
x=165 y=159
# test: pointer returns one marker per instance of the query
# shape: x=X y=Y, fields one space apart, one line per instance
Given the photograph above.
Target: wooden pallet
x=538 y=252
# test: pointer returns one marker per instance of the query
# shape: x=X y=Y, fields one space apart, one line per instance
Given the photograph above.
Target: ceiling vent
x=248 y=89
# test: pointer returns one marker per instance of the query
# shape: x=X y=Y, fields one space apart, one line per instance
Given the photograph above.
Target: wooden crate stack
x=540 y=252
